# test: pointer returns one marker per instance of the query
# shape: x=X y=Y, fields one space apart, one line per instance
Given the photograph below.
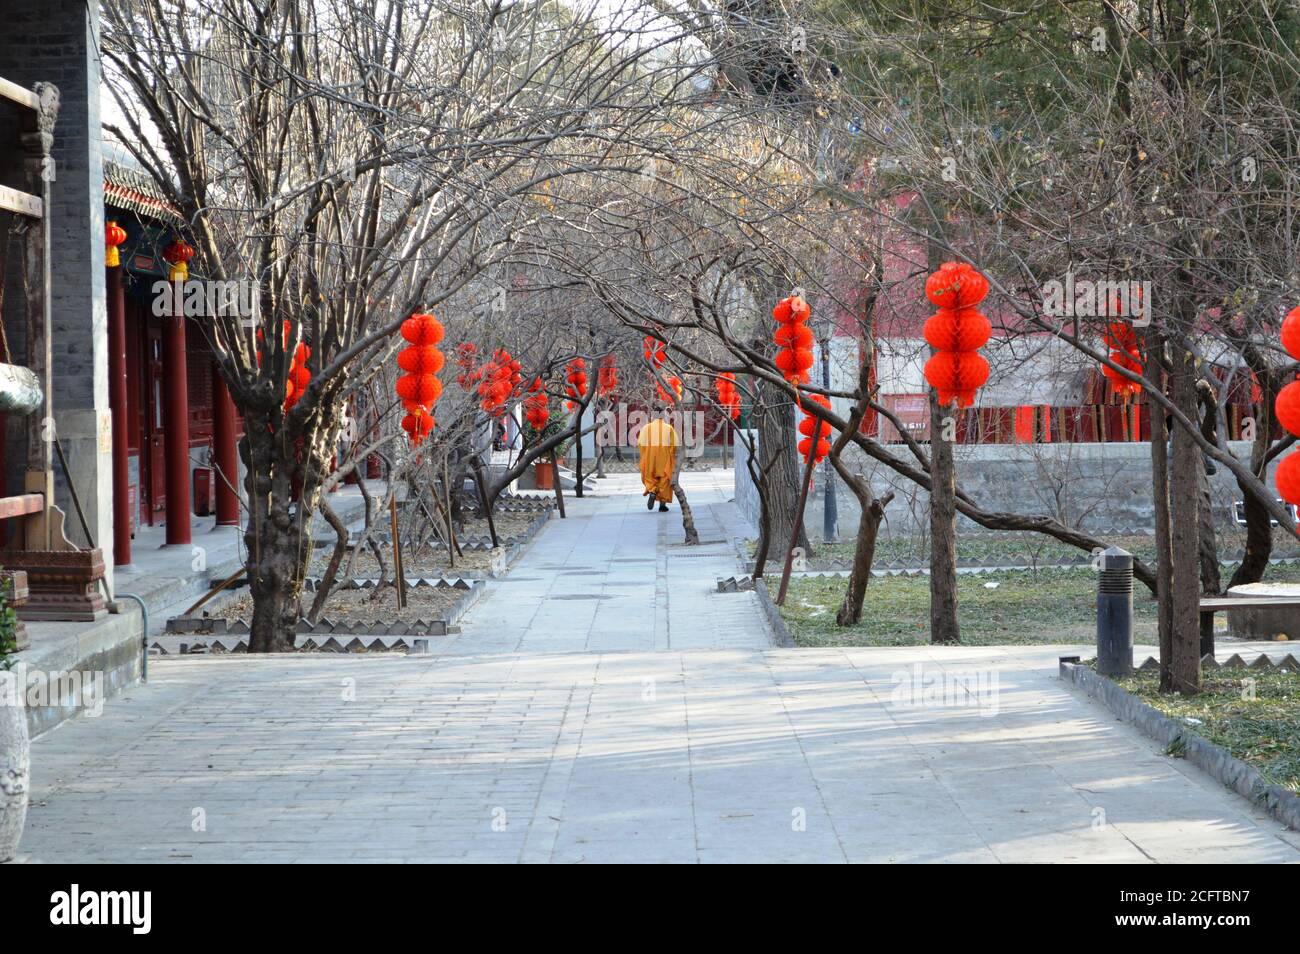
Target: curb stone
x=1216 y=761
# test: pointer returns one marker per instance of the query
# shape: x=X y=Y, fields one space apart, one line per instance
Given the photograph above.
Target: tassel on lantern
x=178 y=255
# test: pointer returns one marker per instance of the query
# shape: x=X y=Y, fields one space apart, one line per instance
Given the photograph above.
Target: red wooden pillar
x=225 y=458
x=176 y=430
x=117 y=402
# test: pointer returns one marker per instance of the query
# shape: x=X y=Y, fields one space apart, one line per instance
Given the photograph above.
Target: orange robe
x=657 y=444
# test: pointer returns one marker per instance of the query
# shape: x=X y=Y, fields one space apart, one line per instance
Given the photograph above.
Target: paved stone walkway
x=652 y=725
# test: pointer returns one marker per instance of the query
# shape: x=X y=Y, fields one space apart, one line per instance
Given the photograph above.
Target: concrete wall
x=55 y=41
x=1102 y=488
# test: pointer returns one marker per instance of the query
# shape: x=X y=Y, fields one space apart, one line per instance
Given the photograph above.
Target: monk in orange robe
x=657 y=444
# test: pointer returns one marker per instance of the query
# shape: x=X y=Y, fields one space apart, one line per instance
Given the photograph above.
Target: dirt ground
x=422 y=602
x=434 y=561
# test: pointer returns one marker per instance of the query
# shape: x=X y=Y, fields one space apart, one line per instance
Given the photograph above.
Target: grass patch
x=1263 y=731
x=1050 y=606
x=1019 y=549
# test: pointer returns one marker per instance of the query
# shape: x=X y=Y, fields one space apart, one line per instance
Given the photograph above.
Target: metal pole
x=1115 y=613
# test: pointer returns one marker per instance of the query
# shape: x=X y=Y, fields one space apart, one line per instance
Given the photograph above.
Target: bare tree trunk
x=688 y=518
x=943 y=527
x=336 y=559
x=1163 y=541
x=559 y=491
x=276 y=552
x=1259 y=526
x=776 y=442
x=1184 y=500
x=864 y=551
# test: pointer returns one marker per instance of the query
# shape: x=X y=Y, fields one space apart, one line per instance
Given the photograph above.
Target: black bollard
x=1115 y=613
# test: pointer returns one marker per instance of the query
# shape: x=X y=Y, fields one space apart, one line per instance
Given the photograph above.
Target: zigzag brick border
x=184 y=634
x=1278 y=801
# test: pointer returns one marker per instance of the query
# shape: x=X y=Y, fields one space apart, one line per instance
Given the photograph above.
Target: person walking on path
x=657 y=444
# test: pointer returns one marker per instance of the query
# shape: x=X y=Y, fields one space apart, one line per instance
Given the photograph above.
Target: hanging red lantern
x=728 y=396
x=957 y=370
x=812 y=424
x=178 y=255
x=793 y=338
x=421 y=329
x=957 y=375
x=1286 y=408
x=537 y=406
x=1291 y=333
x=1287 y=478
x=655 y=351
x=420 y=388
x=957 y=329
x=577 y=378
x=114 y=235
x=956 y=285
x=607 y=376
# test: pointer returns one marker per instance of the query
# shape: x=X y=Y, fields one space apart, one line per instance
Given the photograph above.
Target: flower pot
x=544 y=475
x=15 y=763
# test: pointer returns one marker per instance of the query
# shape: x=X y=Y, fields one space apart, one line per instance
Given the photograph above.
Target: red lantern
x=655 y=351
x=422 y=329
x=577 y=378
x=607 y=376
x=114 y=235
x=728 y=396
x=957 y=375
x=963 y=329
x=1287 y=478
x=178 y=255
x=811 y=424
x=1291 y=333
x=793 y=339
x=956 y=285
x=1287 y=407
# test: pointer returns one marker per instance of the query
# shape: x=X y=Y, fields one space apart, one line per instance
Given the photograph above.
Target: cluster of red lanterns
x=1122 y=341
x=655 y=351
x=793 y=338
x=675 y=383
x=577 y=388
x=728 y=396
x=607 y=376
x=956 y=331
x=419 y=388
x=808 y=425
x=536 y=406
x=501 y=375
x=1287 y=411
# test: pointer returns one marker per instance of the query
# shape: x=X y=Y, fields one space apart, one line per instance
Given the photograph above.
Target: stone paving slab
x=606 y=703
x=693 y=756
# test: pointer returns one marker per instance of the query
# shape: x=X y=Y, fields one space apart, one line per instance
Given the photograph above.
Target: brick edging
x=780 y=633
x=1278 y=801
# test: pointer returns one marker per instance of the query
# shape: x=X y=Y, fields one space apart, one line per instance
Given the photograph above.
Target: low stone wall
x=1101 y=488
